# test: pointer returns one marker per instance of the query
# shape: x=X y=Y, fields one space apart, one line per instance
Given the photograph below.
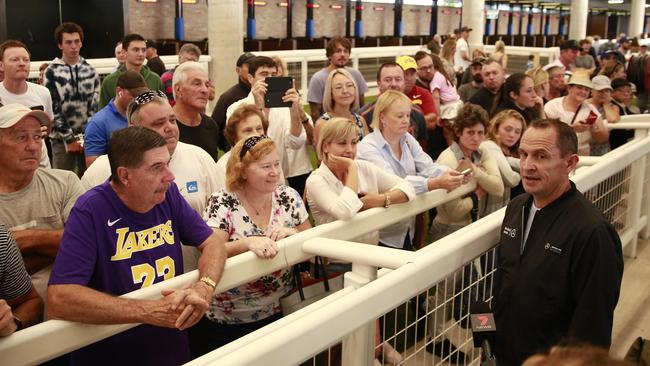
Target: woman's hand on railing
x=449 y=180
x=263 y=246
x=280 y=233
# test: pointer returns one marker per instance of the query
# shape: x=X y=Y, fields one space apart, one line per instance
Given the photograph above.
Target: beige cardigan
x=457 y=212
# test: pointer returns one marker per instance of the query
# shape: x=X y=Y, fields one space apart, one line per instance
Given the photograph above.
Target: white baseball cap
x=13 y=113
x=601 y=82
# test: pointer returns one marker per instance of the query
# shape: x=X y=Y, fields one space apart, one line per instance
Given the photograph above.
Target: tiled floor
x=632 y=315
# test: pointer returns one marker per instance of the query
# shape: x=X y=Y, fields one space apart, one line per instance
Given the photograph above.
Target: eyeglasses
x=143 y=99
x=425 y=68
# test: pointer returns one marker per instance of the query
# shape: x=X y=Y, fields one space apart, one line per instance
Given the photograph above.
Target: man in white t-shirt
x=289 y=127
x=194 y=170
x=462 y=57
x=14 y=63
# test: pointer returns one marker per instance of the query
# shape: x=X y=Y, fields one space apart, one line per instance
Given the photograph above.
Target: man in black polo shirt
x=236 y=92
x=493 y=79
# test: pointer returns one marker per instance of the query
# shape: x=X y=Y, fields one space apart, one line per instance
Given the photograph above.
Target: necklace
x=257 y=212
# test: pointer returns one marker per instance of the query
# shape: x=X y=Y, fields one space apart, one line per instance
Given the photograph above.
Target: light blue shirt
x=415 y=166
x=100 y=128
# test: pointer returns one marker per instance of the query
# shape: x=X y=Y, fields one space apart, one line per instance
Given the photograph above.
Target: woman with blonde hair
x=393 y=149
x=502 y=143
x=341 y=99
x=251 y=214
x=447 y=57
x=499 y=54
x=343 y=186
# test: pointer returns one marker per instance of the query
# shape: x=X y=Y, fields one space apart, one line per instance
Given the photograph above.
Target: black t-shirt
x=483 y=98
x=156 y=65
x=206 y=135
x=236 y=92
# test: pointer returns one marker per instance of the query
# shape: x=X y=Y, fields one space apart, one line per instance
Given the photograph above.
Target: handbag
x=308 y=290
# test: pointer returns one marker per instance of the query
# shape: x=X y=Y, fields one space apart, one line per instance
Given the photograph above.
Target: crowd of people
x=131 y=189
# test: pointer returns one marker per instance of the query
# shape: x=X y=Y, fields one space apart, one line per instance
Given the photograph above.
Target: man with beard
x=338 y=54
x=467 y=90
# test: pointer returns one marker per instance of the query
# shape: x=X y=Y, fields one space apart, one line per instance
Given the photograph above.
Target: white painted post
x=359 y=346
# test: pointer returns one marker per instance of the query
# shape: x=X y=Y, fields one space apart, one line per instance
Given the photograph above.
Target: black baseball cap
x=151 y=44
x=465 y=29
x=244 y=58
x=619 y=83
x=571 y=44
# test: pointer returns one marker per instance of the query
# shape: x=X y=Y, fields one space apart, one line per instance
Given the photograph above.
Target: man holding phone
x=288 y=126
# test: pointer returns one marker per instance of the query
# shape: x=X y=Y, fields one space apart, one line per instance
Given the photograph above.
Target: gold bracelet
x=209 y=281
x=386 y=199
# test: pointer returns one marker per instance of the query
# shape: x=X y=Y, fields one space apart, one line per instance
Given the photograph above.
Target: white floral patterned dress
x=259 y=299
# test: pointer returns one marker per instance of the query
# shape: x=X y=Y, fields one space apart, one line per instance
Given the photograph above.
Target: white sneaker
x=390 y=354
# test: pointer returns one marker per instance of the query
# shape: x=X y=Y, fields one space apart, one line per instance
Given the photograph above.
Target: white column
x=578 y=20
x=474 y=17
x=637 y=15
x=225 y=41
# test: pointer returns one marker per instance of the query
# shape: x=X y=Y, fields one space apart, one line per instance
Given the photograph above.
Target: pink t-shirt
x=448 y=91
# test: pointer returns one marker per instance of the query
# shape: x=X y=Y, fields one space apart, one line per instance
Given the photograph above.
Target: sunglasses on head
x=145 y=98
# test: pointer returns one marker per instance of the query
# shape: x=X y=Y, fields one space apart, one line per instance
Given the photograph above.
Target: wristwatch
x=386 y=200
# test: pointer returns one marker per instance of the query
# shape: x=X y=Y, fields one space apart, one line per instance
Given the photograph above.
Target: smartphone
x=591 y=118
x=276 y=88
x=466 y=172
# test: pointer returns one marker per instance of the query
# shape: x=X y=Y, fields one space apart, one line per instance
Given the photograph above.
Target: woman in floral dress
x=251 y=214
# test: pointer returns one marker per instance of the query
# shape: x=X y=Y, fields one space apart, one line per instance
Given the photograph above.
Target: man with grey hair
x=188 y=52
x=124 y=235
x=194 y=169
x=191 y=92
x=34 y=202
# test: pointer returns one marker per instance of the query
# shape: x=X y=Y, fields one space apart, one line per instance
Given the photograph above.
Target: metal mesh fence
x=433 y=327
x=611 y=197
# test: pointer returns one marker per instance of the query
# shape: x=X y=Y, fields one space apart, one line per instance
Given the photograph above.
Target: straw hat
x=581 y=77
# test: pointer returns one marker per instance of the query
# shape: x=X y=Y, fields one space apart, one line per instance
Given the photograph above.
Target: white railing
x=316 y=327
x=304 y=57
x=341 y=319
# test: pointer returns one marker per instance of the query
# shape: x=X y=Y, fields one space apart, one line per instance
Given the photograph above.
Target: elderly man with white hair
x=191 y=92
